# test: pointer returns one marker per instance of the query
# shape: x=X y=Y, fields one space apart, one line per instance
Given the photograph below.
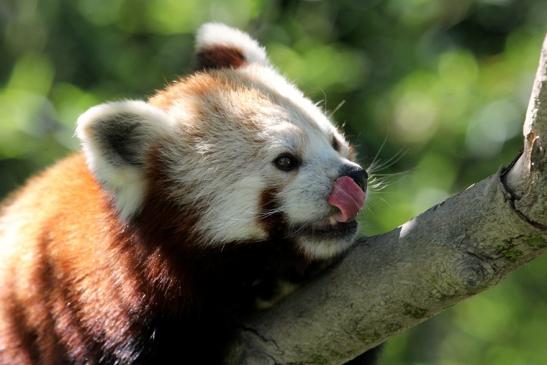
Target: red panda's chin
x=325 y=239
x=323 y=248
x=325 y=227
x=328 y=229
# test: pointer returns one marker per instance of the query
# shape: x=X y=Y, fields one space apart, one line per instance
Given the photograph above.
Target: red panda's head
x=237 y=143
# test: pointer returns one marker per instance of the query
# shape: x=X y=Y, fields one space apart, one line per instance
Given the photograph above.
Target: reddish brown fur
x=198 y=93
x=32 y=286
x=197 y=84
x=89 y=277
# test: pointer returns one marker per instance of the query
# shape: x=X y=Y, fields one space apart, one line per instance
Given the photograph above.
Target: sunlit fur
x=142 y=224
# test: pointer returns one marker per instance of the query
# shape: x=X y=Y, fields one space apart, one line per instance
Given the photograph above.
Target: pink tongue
x=347 y=196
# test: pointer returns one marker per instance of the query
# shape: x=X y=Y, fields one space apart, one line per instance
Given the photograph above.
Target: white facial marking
x=228 y=218
x=324 y=248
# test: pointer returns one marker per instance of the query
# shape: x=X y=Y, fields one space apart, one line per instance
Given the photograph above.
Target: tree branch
x=391 y=282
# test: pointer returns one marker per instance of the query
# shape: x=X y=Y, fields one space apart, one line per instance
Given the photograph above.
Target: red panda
x=177 y=216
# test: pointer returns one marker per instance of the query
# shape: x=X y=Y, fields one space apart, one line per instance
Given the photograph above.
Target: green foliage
x=441 y=85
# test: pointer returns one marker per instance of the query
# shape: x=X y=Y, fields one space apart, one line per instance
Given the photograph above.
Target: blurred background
x=435 y=90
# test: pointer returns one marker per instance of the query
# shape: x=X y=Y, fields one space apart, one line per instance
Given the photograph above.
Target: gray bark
x=391 y=282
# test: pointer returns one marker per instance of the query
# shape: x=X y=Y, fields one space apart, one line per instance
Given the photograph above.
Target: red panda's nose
x=356 y=173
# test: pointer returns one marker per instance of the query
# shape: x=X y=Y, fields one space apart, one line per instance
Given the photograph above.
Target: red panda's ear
x=116 y=139
x=219 y=46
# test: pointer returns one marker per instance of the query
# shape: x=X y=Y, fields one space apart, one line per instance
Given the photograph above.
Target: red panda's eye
x=286 y=162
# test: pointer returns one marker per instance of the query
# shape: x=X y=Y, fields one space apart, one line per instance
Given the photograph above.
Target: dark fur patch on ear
x=216 y=57
x=121 y=139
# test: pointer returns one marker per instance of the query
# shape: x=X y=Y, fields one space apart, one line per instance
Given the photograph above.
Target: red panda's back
x=54 y=234
x=54 y=210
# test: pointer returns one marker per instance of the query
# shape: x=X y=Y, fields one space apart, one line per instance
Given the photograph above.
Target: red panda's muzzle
x=348 y=197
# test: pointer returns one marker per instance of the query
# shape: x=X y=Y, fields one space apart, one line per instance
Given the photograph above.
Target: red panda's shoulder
x=62 y=191
x=62 y=207
x=56 y=239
